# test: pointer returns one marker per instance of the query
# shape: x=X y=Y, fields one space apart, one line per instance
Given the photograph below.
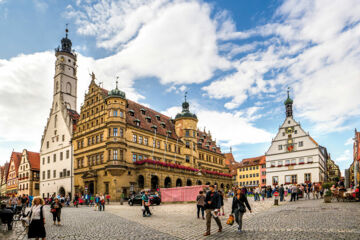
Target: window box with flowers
x=279 y=165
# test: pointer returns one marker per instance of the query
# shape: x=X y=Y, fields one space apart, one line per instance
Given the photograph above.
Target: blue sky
x=234 y=58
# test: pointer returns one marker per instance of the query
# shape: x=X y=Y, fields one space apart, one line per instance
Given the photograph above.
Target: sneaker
x=240 y=231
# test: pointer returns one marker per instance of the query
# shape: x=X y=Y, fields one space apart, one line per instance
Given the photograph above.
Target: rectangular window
x=293 y=161
x=54 y=157
x=187 y=133
x=121 y=114
x=257 y=174
x=287 y=162
x=97 y=139
x=54 y=174
x=61 y=175
x=115 y=113
x=272 y=164
x=275 y=180
x=158 y=144
x=301 y=161
x=187 y=159
x=101 y=137
x=140 y=140
x=115 y=132
x=310 y=160
x=307 y=177
x=63 y=138
x=134 y=157
x=294 y=179
x=187 y=144
x=115 y=153
x=140 y=157
x=146 y=141
x=287 y=179
x=121 y=132
x=67 y=154
x=89 y=141
x=61 y=156
x=301 y=143
x=134 y=138
x=194 y=146
x=263 y=173
x=47 y=144
x=106 y=188
x=43 y=175
x=280 y=147
x=68 y=173
x=43 y=161
x=48 y=174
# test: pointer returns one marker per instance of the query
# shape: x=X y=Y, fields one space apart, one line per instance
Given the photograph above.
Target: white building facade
x=56 y=147
x=294 y=157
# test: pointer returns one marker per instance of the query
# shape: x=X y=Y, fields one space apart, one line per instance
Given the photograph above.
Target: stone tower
x=186 y=129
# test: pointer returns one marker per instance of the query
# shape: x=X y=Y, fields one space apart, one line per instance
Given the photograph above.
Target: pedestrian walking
x=102 y=202
x=55 y=209
x=200 y=203
x=146 y=204
x=281 y=192
x=76 y=200
x=37 y=220
x=212 y=209
x=221 y=195
x=293 y=193
x=108 y=198
x=263 y=192
x=238 y=208
x=97 y=202
x=307 y=192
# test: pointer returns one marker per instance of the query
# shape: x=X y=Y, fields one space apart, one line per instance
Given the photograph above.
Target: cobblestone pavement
x=310 y=219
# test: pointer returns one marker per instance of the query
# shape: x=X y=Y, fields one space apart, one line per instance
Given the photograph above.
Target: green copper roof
x=185 y=112
x=288 y=100
x=117 y=93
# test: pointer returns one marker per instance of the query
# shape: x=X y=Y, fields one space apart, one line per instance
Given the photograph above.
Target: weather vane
x=185 y=96
x=117 y=78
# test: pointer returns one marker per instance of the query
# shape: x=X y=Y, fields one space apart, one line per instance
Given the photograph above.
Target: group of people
x=212 y=203
x=92 y=200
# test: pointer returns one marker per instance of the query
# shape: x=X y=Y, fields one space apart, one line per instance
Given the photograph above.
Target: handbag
x=230 y=220
x=53 y=210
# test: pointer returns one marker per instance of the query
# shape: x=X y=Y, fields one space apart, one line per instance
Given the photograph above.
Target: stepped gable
x=34 y=160
x=16 y=157
x=205 y=142
x=136 y=108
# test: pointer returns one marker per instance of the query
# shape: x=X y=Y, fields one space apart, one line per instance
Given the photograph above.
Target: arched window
x=55 y=122
x=68 y=87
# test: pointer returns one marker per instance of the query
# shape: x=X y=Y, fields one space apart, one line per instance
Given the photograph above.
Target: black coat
x=214 y=198
x=241 y=201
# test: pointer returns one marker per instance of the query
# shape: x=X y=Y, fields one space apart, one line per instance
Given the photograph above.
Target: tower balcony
x=116 y=167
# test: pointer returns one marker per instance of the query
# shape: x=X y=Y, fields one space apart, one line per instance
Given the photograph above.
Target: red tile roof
x=205 y=142
x=231 y=163
x=34 y=160
x=229 y=159
x=16 y=157
x=134 y=108
x=253 y=161
x=74 y=117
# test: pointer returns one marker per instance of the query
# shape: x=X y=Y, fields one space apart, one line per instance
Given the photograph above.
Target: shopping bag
x=230 y=220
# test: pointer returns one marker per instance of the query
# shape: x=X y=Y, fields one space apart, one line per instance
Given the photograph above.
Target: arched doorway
x=178 y=182
x=62 y=191
x=227 y=186
x=154 y=182
x=207 y=183
x=198 y=182
x=222 y=186
x=141 y=181
x=188 y=182
x=167 y=182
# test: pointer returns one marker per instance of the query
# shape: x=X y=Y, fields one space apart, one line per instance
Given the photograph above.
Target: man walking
x=293 y=193
x=212 y=209
x=281 y=192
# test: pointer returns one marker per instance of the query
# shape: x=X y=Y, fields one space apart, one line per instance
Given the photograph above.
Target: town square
x=179 y=119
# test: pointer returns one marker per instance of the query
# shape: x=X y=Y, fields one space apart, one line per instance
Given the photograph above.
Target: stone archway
x=141 y=181
x=227 y=186
x=178 y=182
x=167 y=182
x=188 y=182
x=154 y=182
x=61 y=191
x=198 y=182
x=208 y=183
x=222 y=186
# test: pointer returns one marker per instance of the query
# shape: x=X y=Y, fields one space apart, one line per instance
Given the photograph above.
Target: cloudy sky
x=234 y=58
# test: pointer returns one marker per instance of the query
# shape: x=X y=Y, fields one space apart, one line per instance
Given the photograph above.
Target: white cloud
x=235 y=128
x=314 y=47
x=350 y=141
x=174 y=41
x=346 y=156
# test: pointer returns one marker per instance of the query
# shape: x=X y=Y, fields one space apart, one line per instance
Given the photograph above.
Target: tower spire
x=288 y=104
x=66 y=30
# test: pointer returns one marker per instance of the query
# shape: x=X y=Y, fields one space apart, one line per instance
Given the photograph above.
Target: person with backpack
x=238 y=208
x=212 y=209
x=37 y=220
x=55 y=209
x=200 y=203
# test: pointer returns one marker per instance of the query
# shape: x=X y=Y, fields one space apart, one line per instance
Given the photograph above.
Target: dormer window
x=163 y=124
x=154 y=127
x=157 y=117
x=169 y=133
x=148 y=119
x=131 y=112
x=143 y=111
x=137 y=122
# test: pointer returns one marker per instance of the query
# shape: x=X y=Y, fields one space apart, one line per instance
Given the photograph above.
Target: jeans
x=281 y=197
x=208 y=220
x=56 y=215
x=263 y=196
x=102 y=206
x=199 y=207
x=147 y=210
x=238 y=218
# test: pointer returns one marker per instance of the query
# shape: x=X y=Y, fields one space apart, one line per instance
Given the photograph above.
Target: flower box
x=287 y=164
x=293 y=164
x=280 y=165
x=287 y=183
x=301 y=163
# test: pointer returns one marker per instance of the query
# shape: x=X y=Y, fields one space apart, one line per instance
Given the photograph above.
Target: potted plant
x=328 y=193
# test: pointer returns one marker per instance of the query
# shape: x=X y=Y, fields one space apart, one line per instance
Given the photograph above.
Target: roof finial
x=117 y=78
x=185 y=96
x=92 y=76
x=66 y=30
x=288 y=92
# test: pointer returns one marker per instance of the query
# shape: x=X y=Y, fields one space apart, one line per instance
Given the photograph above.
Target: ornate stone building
x=333 y=171
x=12 y=175
x=122 y=146
x=56 y=148
x=29 y=173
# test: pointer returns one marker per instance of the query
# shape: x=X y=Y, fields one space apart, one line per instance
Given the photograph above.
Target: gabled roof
x=16 y=158
x=149 y=113
x=313 y=141
x=231 y=163
x=205 y=141
x=253 y=161
x=34 y=160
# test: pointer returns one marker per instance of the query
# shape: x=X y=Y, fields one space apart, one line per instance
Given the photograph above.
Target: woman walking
x=37 y=220
x=55 y=209
x=238 y=208
x=200 y=203
x=221 y=195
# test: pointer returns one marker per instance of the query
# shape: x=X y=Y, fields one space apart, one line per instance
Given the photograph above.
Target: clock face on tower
x=289 y=130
